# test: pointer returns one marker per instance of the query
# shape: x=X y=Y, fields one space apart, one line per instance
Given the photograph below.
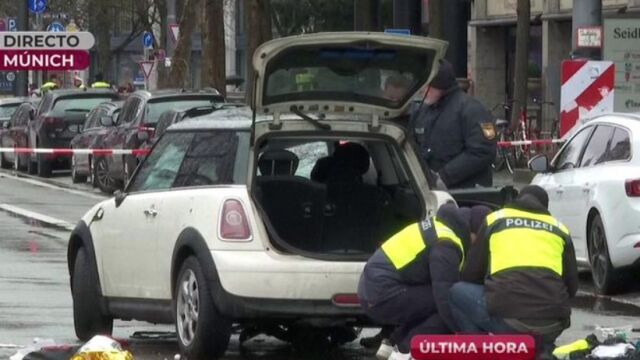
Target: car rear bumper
x=624 y=252
x=255 y=284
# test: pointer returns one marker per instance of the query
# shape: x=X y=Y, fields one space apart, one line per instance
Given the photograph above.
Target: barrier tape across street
x=530 y=142
x=70 y=152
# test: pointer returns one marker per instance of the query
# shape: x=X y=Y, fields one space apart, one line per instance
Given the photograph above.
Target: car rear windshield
x=157 y=107
x=81 y=104
x=377 y=75
x=7 y=110
x=195 y=158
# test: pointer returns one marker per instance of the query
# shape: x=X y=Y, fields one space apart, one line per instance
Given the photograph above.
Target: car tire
x=75 y=177
x=88 y=318
x=606 y=279
x=202 y=331
x=32 y=167
x=3 y=162
x=44 y=166
x=101 y=175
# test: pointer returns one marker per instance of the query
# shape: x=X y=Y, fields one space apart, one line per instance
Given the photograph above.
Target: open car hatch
x=343 y=73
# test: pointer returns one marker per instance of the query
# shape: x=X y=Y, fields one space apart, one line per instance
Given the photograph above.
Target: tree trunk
x=100 y=24
x=366 y=15
x=521 y=61
x=164 y=24
x=213 y=46
x=258 y=30
x=180 y=72
x=436 y=19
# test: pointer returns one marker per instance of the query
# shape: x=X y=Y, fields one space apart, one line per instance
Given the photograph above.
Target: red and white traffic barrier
x=529 y=142
x=70 y=152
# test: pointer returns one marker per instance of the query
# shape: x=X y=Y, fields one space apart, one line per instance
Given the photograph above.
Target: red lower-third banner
x=473 y=347
x=16 y=60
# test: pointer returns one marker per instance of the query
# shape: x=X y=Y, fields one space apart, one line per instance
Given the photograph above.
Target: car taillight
x=346 y=300
x=53 y=121
x=234 y=225
x=146 y=129
x=632 y=187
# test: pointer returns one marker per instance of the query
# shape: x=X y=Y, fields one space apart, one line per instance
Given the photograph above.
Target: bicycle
x=504 y=155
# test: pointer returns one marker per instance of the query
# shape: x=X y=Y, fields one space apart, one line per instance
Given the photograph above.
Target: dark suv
x=59 y=119
x=138 y=118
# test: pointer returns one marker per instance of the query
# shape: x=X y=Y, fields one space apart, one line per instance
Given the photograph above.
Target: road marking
x=37 y=216
x=51 y=186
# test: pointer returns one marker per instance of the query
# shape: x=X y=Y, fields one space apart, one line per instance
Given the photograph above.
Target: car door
x=130 y=262
x=561 y=184
x=586 y=176
x=126 y=125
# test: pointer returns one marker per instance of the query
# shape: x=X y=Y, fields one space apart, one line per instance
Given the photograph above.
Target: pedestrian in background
x=519 y=275
x=99 y=82
x=455 y=133
x=406 y=282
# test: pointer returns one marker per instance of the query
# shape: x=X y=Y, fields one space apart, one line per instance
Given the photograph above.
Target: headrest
x=352 y=156
x=278 y=162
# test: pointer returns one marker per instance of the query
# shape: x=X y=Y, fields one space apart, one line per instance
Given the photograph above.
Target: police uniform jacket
x=526 y=260
x=456 y=137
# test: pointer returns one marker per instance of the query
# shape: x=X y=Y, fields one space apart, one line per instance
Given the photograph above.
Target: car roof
x=234 y=118
x=66 y=92
x=16 y=100
x=166 y=93
x=629 y=120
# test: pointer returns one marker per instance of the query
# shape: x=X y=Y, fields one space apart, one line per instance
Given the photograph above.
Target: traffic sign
x=55 y=27
x=146 y=67
x=398 y=31
x=3 y=25
x=37 y=6
x=11 y=76
x=175 y=31
x=147 y=40
x=12 y=24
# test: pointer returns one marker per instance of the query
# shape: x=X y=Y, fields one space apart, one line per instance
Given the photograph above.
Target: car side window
x=91 y=118
x=568 y=158
x=160 y=169
x=16 y=118
x=129 y=111
x=596 y=151
x=210 y=160
x=620 y=147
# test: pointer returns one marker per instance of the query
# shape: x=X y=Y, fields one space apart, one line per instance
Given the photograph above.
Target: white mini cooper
x=265 y=217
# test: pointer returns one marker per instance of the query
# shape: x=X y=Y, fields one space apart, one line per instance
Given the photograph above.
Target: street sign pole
x=23 y=25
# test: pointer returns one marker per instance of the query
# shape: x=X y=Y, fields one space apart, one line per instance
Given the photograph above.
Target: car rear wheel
x=3 y=162
x=44 y=166
x=88 y=319
x=605 y=278
x=101 y=175
x=203 y=332
x=75 y=177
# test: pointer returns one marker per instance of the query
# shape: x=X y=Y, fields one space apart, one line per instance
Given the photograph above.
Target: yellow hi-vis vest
x=100 y=84
x=404 y=247
x=523 y=239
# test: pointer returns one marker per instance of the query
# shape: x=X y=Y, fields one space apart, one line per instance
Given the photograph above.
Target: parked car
x=137 y=120
x=95 y=128
x=230 y=220
x=15 y=133
x=594 y=189
x=60 y=117
x=9 y=105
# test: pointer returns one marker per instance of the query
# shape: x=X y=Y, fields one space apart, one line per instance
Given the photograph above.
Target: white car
x=594 y=189
x=264 y=219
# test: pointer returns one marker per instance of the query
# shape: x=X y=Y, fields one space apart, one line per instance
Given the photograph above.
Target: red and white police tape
x=70 y=152
x=529 y=142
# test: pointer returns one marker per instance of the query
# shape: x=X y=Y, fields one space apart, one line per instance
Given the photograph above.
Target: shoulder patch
x=488 y=130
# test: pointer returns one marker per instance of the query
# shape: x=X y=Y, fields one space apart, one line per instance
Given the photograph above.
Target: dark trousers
x=411 y=312
x=469 y=308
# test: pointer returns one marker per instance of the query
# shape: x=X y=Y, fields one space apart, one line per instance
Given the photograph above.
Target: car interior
x=333 y=197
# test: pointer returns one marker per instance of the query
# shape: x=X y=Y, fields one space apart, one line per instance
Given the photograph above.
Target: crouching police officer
x=520 y=274
x=406 y=282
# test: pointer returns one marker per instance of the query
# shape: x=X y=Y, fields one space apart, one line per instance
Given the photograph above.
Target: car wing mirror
x=6 y=125
x=106 y=121
x=143 y=135
x=539 y=164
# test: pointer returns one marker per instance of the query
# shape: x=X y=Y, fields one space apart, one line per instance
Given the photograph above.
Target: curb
x=53 y=183
x=43 y=219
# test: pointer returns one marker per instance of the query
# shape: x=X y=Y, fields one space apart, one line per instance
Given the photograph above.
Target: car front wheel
x=605 y=278
x=203 y=332
x=75 y=177
x=88 y=319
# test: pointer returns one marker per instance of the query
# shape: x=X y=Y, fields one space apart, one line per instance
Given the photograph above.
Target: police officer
x=78 y=83
x=406 y=282
x=100 y=83
x=523 y=268
x=455 y=133
x=52 y=84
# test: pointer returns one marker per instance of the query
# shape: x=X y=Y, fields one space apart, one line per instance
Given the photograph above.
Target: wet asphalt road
x=35 y=300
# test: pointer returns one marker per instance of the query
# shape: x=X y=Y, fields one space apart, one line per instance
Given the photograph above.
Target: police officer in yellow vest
x=52 y=84
x=523 y=269
x=100 y=83
x=406 y=282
